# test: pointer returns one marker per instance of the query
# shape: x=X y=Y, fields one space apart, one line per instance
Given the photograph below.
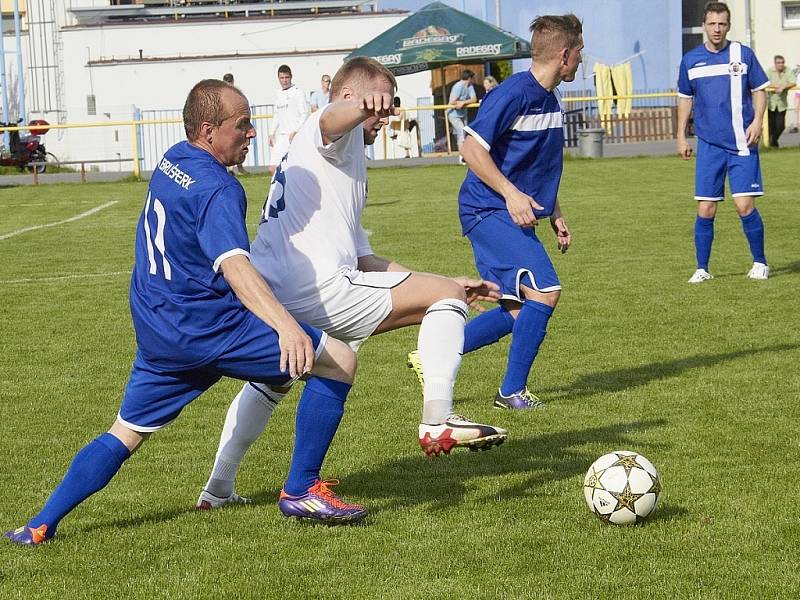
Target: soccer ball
x=622 y=487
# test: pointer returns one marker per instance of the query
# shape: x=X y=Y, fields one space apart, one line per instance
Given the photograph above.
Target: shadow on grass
x=529 y=463
x=618 y=380
x=439 y=484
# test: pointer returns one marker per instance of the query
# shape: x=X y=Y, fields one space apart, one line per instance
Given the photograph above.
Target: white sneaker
x=759 y=271
x=700 y=276
x=459 y=431
x=208 y=501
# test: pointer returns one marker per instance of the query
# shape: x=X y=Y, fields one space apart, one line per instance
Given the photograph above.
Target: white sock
x=440 y=343
x=247 y=417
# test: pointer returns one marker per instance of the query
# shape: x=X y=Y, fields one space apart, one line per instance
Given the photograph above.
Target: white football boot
x=700 y=276
x=759 y=271
x=457 y=431
x=208 y=501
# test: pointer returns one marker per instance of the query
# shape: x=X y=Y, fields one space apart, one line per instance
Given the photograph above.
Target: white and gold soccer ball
x=622 y=487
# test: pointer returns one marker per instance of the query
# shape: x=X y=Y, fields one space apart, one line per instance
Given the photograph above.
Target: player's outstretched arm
x=684 y=110
x=297 y=351
x=520 y=205
x=342 y=116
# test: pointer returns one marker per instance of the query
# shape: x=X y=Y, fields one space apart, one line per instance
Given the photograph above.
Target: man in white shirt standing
x=312 y=218
x=291 y=110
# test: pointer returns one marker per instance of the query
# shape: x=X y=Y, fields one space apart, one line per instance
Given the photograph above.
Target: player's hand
x=378 y=105
x=520 y=207
x=684 y=149
x=563 y=234
x=753 y=133
x=297 y=351
x=478 y=290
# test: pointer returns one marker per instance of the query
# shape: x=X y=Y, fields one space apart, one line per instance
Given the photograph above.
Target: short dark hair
x=284 y=69
x=360 y=70
x=716 y=7
x=467 y=74
x=778 y=56
x=228 y=78
x=551 y=33
x=204 y=105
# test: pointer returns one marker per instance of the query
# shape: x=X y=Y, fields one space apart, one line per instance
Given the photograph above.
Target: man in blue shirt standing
x=462 y=94
x=514 y=151
x=725 y=83
x=201 y=311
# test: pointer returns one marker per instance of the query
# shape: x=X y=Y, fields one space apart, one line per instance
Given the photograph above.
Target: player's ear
x=564 y=56
x=347 y=93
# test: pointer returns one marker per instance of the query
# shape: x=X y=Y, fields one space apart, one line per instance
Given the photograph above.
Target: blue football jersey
x=721 y=85
x=184 y=312
x=520 y=124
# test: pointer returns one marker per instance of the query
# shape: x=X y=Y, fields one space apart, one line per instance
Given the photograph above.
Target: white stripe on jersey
x=714 y=70
x=151 y=257
x=552 y=120
x=737 y=120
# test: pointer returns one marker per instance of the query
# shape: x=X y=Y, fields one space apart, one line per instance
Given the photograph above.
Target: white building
x=93 y=70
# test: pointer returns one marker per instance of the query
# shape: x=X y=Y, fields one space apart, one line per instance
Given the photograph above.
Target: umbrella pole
x=446 y=121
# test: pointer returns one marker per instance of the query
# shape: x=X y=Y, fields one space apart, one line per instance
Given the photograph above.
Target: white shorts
x=279 y=150
x=351 y=305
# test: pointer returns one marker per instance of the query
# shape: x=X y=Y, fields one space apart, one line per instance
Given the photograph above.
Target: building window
x=791 y=15
x=91 y=105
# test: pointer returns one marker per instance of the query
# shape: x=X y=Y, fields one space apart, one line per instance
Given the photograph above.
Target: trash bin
x=590 y=142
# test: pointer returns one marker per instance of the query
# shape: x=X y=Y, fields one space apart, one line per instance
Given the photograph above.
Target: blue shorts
x=508 y=255
x=713 y=162
x=155 y=397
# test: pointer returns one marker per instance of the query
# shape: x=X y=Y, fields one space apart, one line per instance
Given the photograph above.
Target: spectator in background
x=228 y=78
x=489 y=83
x=462 y=94
x=322 y=96
x=780 y=81
x=291 y=110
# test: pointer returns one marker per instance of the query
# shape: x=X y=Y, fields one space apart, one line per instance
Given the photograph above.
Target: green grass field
x=703 y=380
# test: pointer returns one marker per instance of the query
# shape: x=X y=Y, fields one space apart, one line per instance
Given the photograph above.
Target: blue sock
x=753 y=228
x=530 y=328
x=703 y=238
x=318 y=414
x=91 y=470
x=487 y=328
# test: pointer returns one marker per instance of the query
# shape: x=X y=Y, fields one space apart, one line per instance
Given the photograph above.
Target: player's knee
x=451 y=290
x=338 y=361
x=548 y=298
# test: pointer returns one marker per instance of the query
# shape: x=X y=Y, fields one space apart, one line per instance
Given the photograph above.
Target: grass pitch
x=702 y=380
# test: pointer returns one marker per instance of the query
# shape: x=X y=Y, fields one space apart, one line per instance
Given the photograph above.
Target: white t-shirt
x=291 y=109
x=311 y=225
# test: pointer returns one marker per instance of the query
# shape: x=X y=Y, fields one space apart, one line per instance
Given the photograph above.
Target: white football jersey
x=291 y=109
x=311 y=224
